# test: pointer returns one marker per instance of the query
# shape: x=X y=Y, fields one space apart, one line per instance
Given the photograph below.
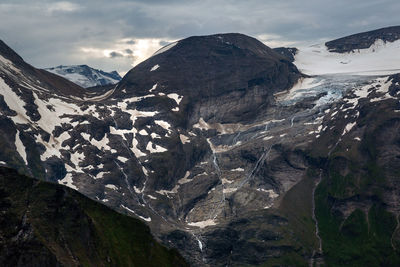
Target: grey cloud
x=128 y=51
x=115 y=54
x=164 y=43
x=53 y=38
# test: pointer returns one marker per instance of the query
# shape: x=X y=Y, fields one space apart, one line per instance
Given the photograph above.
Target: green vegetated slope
x=45 y=224
x=299 y=232
x=357 y=199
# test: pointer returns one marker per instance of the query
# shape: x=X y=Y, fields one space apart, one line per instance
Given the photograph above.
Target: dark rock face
x=363 y=40
x=214 y=73
x=288 y=52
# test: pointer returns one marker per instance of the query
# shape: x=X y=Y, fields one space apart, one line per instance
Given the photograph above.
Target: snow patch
x=14 y=102
x=20 y=147
x=157 y=149
x=203 y=224
x=229 y=190
x=348 y=127
x=165 y=48
x=155 y=135
x=67 y=180
x=164 y=125
x=153 y=88
x=184 y=139
x=155 y=67
x=111 y=186
x=122 y=159
x=132 y=211
x=102 y=144
x=226 y=181
x=175 y=97
x=143 y=132
x=271 y=193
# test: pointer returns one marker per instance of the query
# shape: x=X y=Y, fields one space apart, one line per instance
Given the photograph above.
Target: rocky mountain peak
x=204 y=68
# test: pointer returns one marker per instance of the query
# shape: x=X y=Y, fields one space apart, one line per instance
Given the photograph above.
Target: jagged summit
x=86 y=76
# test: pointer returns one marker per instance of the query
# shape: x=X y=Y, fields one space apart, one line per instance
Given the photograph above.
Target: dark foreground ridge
x=44 y=224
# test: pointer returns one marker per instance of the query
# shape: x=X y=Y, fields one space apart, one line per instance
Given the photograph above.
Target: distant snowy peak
x=86 y=76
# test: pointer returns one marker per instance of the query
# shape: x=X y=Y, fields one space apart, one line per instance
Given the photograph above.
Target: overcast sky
x=115 y=35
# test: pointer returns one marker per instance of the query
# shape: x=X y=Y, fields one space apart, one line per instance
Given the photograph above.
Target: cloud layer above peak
x=119 y=34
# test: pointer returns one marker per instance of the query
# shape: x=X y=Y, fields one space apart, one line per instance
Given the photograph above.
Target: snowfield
x=380 y=59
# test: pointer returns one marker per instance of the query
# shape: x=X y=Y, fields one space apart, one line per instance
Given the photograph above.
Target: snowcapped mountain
x=86 y=76
x=228 y=152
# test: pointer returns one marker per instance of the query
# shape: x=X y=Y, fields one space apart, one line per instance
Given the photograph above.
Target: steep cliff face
x=50 y=225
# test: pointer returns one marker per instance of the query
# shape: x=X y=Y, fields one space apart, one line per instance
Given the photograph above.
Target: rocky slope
x=45 y=224
x=357 y=200
x=85 y=76
x=218 y=143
